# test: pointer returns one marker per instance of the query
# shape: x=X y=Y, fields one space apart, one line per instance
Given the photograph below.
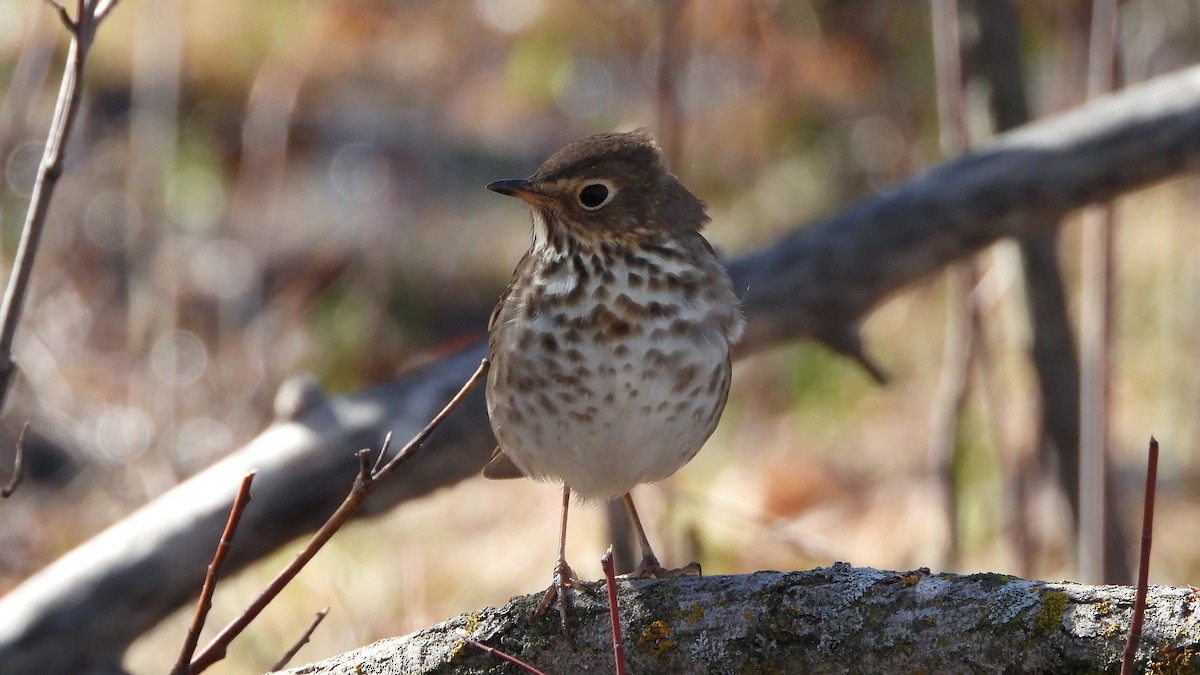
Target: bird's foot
x=564 y=578
x=649 y=568
x=909 y=578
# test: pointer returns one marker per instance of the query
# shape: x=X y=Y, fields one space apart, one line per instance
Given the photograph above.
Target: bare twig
x=997 y=55
x=62 y=16
x=104 y=8
x=1143 y=582
x=414 y=446
x=674 y=36
x=287 y=656
x=948 y=73
x=959 y=350
x=378 y=465
x=25 y=78
x=496 y=653
x=1095 y=319
x=610 y=580
x=18 y=465
x=210 y=579
x=369 y=478
x=82 y=30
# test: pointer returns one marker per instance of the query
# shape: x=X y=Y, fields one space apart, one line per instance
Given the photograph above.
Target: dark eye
x=594 y=195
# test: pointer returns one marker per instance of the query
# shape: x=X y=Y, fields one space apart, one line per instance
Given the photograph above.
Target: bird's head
x=608 y=186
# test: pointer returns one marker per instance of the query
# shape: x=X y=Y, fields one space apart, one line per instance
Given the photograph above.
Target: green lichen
x=1049 y=617
x=657 y=638
x=1012 y=603
x=1177 y=661
x=459 y=650
x=993 y=579
x=695 y=613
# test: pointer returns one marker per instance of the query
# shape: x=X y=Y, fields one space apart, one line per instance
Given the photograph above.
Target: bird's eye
x=594 y=195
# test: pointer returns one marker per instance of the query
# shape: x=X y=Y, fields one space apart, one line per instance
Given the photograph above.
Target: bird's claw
x=564 y=578
x=650 y=568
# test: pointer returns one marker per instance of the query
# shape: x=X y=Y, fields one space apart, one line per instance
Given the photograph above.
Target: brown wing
x=496 y=309
x=526 y=262
x=501 y=467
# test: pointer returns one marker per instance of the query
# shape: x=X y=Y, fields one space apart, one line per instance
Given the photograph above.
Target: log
x=838 y=619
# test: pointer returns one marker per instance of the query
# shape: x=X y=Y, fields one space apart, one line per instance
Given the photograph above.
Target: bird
x=610 y=347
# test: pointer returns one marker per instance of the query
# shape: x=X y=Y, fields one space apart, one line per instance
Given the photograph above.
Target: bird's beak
x=520 y=188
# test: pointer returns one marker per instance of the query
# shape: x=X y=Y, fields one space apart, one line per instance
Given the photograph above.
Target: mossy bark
x=838 y=619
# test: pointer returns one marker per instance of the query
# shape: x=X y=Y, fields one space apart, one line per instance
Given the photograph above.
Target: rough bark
x=819 y=281
x=839 y=619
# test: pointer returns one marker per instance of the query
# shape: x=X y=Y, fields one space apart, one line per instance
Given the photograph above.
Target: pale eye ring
x=595 y=194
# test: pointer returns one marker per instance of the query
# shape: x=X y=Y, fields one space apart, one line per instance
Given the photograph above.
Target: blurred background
x=261 y=190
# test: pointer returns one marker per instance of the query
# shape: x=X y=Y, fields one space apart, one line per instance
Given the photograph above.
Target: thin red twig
x=496 y=653
x=610 y=580
x=287 y=656
x=1143 y=583
x=210 y=578
x=365 y=483
x=18 y=465
x=414 y=446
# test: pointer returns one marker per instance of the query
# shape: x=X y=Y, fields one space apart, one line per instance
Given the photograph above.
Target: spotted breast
x=614 y=361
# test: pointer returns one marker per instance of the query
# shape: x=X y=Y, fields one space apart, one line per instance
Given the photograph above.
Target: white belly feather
x=650 y=400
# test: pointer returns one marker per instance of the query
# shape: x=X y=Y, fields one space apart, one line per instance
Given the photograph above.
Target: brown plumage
x=610 y=347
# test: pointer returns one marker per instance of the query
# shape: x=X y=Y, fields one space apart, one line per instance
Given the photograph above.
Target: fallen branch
x=831 y=620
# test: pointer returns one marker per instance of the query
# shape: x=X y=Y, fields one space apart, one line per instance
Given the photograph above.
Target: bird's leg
x=564 y=576
x=650 y=567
